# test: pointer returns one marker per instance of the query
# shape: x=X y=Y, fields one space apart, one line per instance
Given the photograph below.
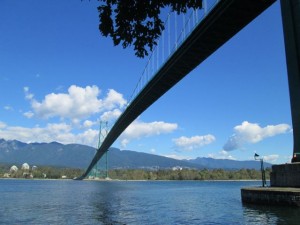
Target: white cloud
x=66 y=133
x=28 y=114
x=28 y=95
x=88 y=137
x=124 y=142
x=2 y=125
x=194 y=142
x=271 y=158
x=111 y=115
x=178 y=157
x=152 y=150
x=8 y=108
x=60 y=132
x=221 y=155
x=140 y=129
x=88 y=124
x=287 y=158
x=114 y=100
x=77 y=104
x=253 y=133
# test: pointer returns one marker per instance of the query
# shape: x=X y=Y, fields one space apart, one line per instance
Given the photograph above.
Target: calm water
x=179 y=202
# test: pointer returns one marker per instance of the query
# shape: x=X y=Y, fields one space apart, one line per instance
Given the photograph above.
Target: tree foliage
x=43 y=172
x=139 y=174
x=137 y=22
x=188 y=174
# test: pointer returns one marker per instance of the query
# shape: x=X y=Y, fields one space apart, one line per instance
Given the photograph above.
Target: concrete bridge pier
x=287 y=175
x=290 y=10
x=285 y=178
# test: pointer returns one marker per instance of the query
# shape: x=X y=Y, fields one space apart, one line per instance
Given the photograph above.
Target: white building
x=13 y=169
x=34 y=168
x=176 y=168
x=25 y=166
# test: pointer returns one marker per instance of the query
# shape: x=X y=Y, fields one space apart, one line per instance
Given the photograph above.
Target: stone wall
x=285 y=175
x=271 y=196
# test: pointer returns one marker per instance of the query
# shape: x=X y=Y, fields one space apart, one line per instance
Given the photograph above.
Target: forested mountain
x=79 y=156
x=227 y=164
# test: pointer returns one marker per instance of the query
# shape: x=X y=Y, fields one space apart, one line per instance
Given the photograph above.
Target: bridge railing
x=177 y=29
x=157 y=78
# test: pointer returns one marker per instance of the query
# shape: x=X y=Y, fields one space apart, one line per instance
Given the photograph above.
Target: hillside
x=227 y=164
x=79 y=156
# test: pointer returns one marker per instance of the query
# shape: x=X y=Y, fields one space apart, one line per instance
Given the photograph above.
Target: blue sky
x=59 y=77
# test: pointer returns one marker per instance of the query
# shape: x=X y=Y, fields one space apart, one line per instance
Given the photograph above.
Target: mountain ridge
x=79 y=156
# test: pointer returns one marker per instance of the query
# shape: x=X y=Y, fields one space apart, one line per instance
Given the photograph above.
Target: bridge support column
x=290 y=10
x=285 y=178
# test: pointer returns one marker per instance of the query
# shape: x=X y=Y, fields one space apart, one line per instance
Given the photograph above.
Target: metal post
x=263 y=175
x=106 y=154
x=106 y=165
x=176 y=37
x=290 y=10
x=262 y=169
x=169 y=36
x=205 y=6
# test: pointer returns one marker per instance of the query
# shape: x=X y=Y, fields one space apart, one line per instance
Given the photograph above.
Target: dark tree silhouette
x=137 y=22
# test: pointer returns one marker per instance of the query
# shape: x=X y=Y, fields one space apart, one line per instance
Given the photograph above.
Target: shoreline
x=118 y=180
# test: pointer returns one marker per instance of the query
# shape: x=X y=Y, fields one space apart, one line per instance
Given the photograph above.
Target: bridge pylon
x=100 y=170
x=290 y=10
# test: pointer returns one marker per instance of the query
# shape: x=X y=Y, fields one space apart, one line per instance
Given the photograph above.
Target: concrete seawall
x=286 y=175
x=271 y=196
x=284 y=190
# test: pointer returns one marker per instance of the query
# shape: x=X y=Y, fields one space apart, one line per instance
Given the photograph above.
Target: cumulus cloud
x=113 y=100
x=2 y=125
x=8 y=108
x=28 y=95
x=253 y=133
x=271 y=158
x=140 y=129
x=60 y=132
x=65 y=133
x=111 y=115
x=221 y=155
x=152 y=150
x=28 y=114
x=88 y=124
x=88 y=137
x=78 y=103
x=194 y=142
x=178 y=157
x=78 y=109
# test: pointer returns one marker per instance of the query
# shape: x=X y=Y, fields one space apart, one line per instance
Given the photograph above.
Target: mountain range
x=79 y=156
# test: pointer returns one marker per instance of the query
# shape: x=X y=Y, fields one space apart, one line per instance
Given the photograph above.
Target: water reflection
x=151 y=203
x=266 y=215
x=107 y=203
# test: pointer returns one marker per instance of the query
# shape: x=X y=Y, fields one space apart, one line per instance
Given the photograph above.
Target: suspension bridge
x=179 y=51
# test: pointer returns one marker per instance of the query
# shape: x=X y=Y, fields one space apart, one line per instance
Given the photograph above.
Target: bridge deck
x=226 y=19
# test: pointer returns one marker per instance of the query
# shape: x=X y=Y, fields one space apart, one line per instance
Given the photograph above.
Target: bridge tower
x=100 y=169
x=290 y=10
x=288 y=175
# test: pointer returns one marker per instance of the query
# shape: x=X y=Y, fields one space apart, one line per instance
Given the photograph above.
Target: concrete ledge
x=271 y=196
x=285 y=175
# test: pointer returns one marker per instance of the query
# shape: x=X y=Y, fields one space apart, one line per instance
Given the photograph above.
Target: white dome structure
x=13 y=169
x=25 y=166
x=33 y=167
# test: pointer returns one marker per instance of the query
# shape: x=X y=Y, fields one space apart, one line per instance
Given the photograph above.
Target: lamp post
x=262 y=169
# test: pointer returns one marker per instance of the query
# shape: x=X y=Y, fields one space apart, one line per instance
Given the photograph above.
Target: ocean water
x=134 y=202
